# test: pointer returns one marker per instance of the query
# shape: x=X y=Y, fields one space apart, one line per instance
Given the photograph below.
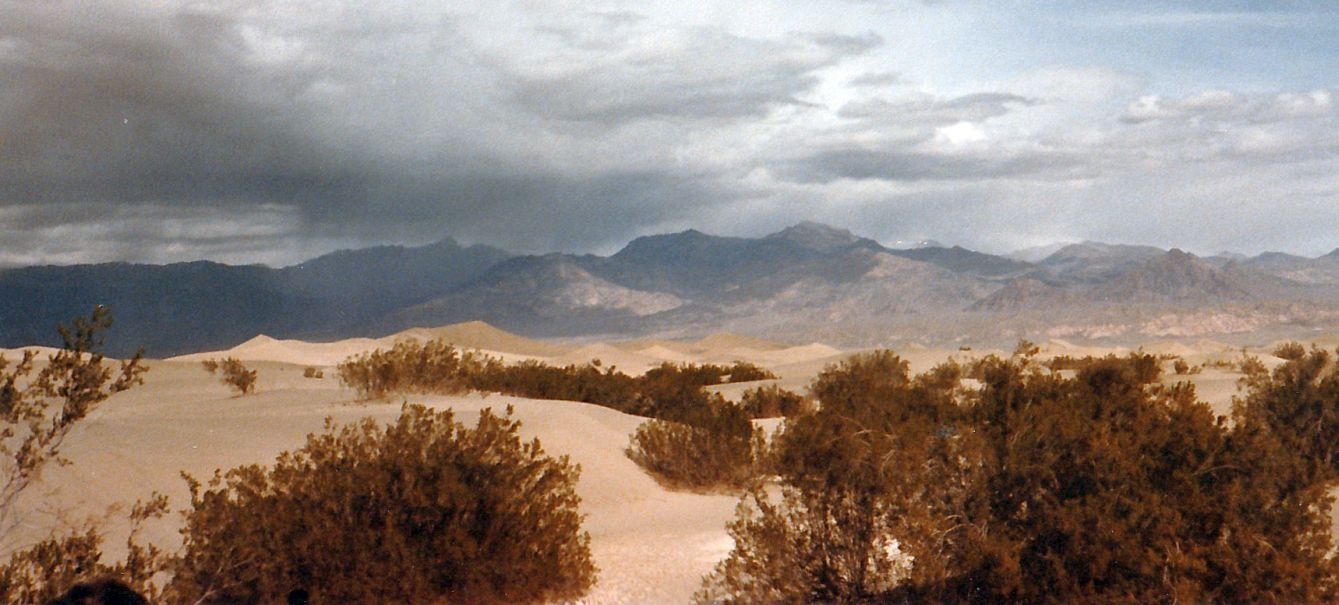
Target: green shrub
x=424 y=510
x=714 y=448
x=233 y=374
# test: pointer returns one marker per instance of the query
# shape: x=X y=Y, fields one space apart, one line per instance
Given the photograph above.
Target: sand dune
x=730 y=340
x=609 y=356
x=480 y=335
x=14 y=355
x=474 y=336
x=651 y=545
x=664 y=353
x=264 y=348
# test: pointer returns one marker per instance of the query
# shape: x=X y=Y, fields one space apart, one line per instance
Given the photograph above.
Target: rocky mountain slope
x=800 y=283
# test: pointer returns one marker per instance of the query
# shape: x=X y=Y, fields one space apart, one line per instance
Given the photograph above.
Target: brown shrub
x=233 y=374
x=423 y=510
x=37 y=412
x=1290 y=351
x=904 y=489
x=411 y=367
x=743 y=371
x=772 y=401
x=717 y=447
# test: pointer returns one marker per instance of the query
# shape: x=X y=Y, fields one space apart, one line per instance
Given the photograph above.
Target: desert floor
x=651 y=545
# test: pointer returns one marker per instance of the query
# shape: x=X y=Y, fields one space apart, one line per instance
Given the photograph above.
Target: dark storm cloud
x=111 y=106
x=556 y=212
x=259 y=130
x=383 y=125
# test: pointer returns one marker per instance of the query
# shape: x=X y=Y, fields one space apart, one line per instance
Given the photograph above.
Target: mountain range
x=805 y=283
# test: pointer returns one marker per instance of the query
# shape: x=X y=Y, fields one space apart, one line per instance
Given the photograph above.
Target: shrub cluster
x=37 y=412
x=695 y=439
x=716 y=447
x=669 y=391
x=1038 y=488
x=232 y=373
x=1147 y=368
x=41 y=573
x=772 y=401
x=1290 y=351
x=411 y=367
x=588 y=383
x=424 y=510
x=1297 y=403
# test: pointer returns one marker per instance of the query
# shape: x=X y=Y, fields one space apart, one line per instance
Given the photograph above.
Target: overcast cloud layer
x=258 y=131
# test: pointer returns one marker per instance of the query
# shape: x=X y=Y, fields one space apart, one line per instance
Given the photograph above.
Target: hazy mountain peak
x=1175 y=275
x=917 y=245
x=1034 y=254
x=1278 y=257
x=660 y=244
x=1090 y=250
x=816 y=236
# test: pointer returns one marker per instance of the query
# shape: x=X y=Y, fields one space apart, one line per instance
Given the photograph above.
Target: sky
x=258 y=131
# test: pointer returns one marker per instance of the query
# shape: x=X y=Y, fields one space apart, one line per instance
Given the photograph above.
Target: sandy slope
x=651 y=545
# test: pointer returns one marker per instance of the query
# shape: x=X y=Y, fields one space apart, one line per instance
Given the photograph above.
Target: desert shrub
x=1034 y=488
x=715 y=448
x=1067 y=362
x=586 y=383
x=1290 y=351
x=1250 y=365
x=410 y=367
x=37 y=413
x=854 y=473
x=424 y=510
x=1145 y=368
x=40 y=573
x=311 y=372
x=233 y=374
x=1221 y=364
x=687 y=373
x=1298 y=403
x=743 y=371
x=772 y=401
x=669 y=391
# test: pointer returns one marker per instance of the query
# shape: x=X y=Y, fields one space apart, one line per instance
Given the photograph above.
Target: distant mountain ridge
x=804 y=283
